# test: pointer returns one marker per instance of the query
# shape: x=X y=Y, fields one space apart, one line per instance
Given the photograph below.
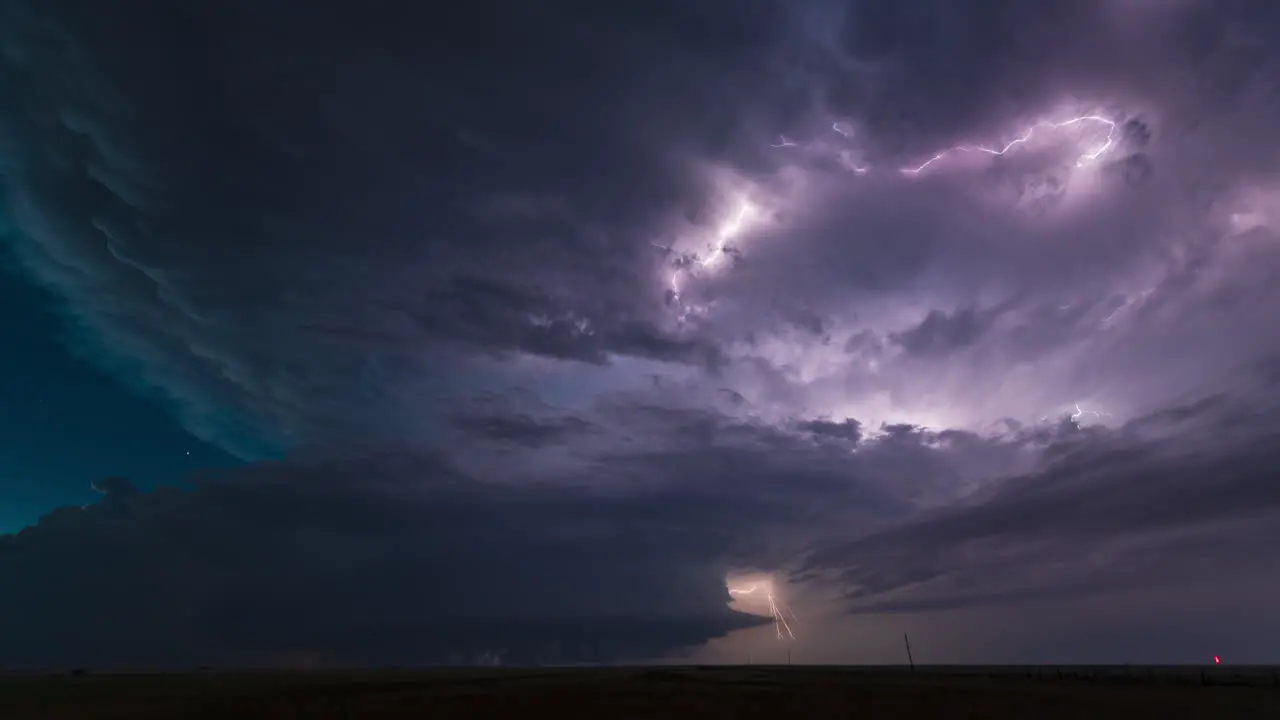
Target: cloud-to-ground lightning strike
x=776 y=610
x=1026 y=137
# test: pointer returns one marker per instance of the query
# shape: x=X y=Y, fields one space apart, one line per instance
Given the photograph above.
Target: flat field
x=668 y=693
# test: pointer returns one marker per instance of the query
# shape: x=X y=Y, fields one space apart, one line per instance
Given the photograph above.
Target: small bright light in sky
x=1216 y=660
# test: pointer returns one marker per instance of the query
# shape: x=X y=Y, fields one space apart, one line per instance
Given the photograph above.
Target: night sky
x=346 y=333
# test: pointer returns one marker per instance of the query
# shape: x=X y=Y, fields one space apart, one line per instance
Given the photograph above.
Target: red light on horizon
x=1216 y=660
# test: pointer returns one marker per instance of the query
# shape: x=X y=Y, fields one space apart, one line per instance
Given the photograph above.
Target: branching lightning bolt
x=684 y=265
x=1025 y=137
x=1075 y=417
x=719 y=248
x=777 y=611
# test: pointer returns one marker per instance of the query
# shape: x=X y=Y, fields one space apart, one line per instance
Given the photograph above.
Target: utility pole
x=907 y=641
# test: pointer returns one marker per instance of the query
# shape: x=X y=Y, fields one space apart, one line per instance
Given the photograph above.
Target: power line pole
x=907 y=641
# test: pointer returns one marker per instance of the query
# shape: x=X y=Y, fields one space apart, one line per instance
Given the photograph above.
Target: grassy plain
x=668 y=693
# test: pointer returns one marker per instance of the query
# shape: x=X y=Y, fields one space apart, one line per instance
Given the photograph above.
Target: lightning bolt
x=777 y=611
x=824 y=147
x=1025 y=137
x=684 y=266
x=725 y=233
x=1130 y=302
x=1075 y=417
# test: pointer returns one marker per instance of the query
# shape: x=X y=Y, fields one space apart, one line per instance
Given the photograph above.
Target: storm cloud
x=930 y=306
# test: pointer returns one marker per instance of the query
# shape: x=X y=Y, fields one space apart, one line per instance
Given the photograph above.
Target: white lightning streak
x=1130 y=301
x=726 y=232
x=776 y=612
x=734 y=226
x=1025 y=137
x=1075 y=417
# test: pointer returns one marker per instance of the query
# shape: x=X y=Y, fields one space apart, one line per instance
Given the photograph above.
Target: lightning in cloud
x=847 y=159
x=827 y=147
x=1026 y=137
x=778 y=611
x=720 y=239
x=727 y=232
x=685 y=265
x=1096 y=151
x=1079 y=413
x=1131 y=302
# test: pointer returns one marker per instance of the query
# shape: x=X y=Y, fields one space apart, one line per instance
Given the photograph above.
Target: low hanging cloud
x=400 y=557
x=1182 y=500
x=398 y=561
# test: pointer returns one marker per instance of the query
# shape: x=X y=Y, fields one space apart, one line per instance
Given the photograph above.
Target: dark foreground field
x=666 y=693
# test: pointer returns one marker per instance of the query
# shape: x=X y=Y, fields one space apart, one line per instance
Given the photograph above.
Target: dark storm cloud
x=258 y=205
x=847 y=429
x=1183 y=498
x=328 y=227
x=405 y=557
x=987 y=62
x=115 y=489
x=486 y=316
x=299 y=222
x=941 y=333
x=521 y=430
x=397 y=557
x=391 y=561
x=516 y=417
x=975 y=60
x=632 y=440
